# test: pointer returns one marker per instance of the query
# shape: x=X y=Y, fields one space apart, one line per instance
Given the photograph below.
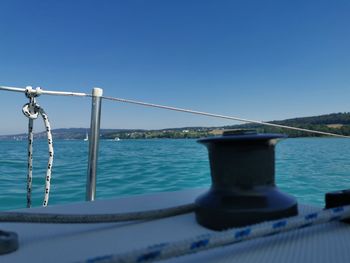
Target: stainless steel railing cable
x=221 y=116
x=40 y=91
x=159 y=106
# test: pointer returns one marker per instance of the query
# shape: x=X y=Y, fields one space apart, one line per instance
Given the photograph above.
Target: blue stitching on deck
x=311 y=216
x=305 y=225
x=200 y=243
x=149 y=256
x=242 y=233
x=279 y=224
x=99 y=259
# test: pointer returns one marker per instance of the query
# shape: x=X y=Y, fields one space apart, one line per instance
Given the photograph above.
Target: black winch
x=243 y=190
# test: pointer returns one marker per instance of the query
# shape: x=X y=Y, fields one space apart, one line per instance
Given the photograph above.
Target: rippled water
x=310 y=167
x=305 y=168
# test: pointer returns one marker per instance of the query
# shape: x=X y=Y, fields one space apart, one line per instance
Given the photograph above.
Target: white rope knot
x=32 y=111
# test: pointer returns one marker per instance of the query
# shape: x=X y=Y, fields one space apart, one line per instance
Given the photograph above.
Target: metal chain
x=32 y=110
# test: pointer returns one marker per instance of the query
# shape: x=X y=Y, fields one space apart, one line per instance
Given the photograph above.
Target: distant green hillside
x=334 y=118
x=333 y=123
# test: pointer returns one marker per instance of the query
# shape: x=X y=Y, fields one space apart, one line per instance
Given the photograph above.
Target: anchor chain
x=32 y=110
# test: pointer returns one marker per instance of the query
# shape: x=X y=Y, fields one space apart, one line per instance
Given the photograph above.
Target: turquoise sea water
x=305 y=168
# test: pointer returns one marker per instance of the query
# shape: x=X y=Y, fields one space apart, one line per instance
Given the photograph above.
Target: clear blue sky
x=263 y=60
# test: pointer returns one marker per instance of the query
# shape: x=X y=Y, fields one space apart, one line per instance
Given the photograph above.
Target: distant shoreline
x=338 y=123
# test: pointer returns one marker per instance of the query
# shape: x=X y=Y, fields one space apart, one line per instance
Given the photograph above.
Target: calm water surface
x=305 y=168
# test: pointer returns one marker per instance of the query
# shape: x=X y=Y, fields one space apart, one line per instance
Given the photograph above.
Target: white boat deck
x=76 y=242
